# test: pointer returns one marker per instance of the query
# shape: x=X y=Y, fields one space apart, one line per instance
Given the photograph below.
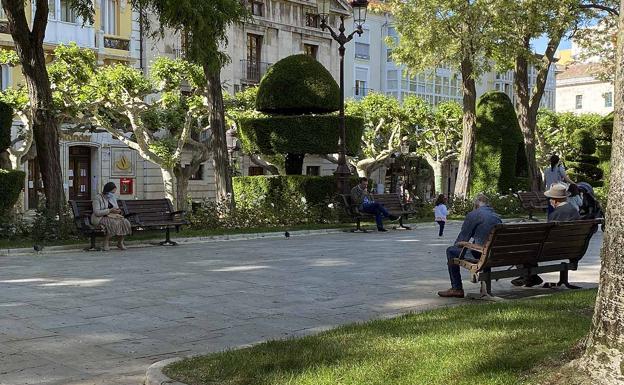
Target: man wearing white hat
x=558 y=195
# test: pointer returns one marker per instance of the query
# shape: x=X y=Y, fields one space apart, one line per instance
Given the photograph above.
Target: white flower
x=303 y=200
x=331 y=205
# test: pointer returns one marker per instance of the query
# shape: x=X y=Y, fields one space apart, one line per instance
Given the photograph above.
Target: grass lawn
x=476 y=344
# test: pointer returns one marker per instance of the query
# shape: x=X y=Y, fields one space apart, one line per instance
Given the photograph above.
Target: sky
x=539 y=45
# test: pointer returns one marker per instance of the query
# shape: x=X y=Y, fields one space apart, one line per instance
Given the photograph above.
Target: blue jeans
x=454 y=272
x=377 y=209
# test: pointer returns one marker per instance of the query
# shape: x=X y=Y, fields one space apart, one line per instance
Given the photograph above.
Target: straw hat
x=557 y=191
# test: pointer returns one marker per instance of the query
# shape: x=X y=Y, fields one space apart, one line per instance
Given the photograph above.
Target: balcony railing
x=253 y=71
x=360 y=92
x=116 y=43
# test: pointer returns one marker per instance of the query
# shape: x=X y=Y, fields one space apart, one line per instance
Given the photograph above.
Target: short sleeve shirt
x=554 y=176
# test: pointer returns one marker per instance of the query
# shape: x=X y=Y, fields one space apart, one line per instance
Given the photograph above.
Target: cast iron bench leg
x=358 y=227
x=168 y=241
x=563 y=280
x=401 y=225
x=92 y=246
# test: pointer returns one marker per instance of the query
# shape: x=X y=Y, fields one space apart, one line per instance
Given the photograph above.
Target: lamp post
x=343 y=172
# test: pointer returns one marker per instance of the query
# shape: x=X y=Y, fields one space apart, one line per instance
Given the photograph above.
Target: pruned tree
x=436 y=131
x=456 y=34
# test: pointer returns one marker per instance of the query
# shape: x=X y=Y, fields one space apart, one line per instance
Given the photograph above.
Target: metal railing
x=253 y=70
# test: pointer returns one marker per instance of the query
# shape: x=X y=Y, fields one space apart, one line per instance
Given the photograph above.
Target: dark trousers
x=441 y=224
x=377 y=209
x=454 y=271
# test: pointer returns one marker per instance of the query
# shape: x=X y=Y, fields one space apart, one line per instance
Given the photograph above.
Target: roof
x=575 y=71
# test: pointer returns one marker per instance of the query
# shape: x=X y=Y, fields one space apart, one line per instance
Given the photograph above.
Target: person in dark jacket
x=477 y=226
x=365 y=203
x=590 y=207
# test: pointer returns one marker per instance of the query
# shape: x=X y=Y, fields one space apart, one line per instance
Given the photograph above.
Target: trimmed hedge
x=11 y=184
x=248 y=190
x=499 y=162
x=304 y=134
x=583 y=167
x=298 y=84
x=6 y=121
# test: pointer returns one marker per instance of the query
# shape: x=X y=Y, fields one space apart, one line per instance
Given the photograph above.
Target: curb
x=155 y=376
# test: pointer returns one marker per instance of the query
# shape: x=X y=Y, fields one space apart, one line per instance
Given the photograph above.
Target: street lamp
x=359 y=16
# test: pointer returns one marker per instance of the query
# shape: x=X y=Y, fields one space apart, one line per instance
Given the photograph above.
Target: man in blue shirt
x=365 y=202
x=477 y=226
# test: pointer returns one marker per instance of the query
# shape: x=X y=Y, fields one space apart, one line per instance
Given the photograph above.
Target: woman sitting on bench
x=106 y=213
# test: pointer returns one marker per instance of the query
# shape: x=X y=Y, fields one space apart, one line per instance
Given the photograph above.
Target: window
x=68 y=14
x=110 y=17
x=254 y=47
x=4 y=78
x=392 y=79
x=579 y=102
x=311 y=50
x=255 y=170
x=608 y=97
x=313 y=20
x=313 y=170
x=360 y=88
x=388 y=55
x=256 y=7
x=362 y=51
x=199 y=175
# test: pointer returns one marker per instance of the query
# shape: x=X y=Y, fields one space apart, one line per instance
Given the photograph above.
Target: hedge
x=499 y=162
x=6 y=121
x=11 y=184
x=303 y=134
x=298 y=84
x=583 y=166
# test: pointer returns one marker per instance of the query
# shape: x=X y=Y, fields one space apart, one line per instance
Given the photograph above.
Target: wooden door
x=79 y=173
x=35 y=184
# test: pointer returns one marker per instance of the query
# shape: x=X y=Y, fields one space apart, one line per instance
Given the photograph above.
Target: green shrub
x=6 y=121
x=11 y=184
x=583 y=141
x=583 y=165
x=304 y=134
x=298 y=84
x=499 y=162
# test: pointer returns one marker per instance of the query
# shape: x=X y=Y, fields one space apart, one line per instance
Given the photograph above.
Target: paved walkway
x=102 y=318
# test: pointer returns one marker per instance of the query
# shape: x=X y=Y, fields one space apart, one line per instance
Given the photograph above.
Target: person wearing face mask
x=106 y=213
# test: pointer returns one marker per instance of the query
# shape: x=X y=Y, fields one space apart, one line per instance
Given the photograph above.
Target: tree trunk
x=181 y=188
x=5 y=161
x=29 y=48
x=268 y=167
x=169 y=184
x=469 y=129
x=437 y=174
x=220 y=158
x=294 y=164
x=603 y=360
x=526 y=121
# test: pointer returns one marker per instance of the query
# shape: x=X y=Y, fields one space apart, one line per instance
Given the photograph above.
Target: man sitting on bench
x=365 y=203
x=477 y=225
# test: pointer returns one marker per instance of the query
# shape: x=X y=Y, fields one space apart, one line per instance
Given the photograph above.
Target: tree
x=28 y=35
x=604 y=351
x=159 y=130
x=384 y=127
x=455 y=34
x=204 y=25
x=436 y=133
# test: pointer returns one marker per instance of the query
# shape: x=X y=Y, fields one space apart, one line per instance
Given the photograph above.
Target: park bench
x=142 y=214
x=391 y=202
x=532 y=201
x=515 y=250
x=146 y=214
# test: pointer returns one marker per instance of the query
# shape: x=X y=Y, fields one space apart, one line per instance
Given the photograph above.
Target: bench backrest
x=81 y=208
x=149 y=210
x=531 y=199
x=391 y=202
x=531 y=243
x=348 y=204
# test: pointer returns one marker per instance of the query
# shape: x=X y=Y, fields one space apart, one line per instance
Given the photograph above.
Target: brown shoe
x=452 y=293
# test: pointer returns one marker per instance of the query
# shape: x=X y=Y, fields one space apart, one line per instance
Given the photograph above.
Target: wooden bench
x=515 y=250
x=146 y=214
x=142 y=214
x=391 y=202
x=532 y=201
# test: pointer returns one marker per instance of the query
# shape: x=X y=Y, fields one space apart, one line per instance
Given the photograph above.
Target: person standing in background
x=440 y=211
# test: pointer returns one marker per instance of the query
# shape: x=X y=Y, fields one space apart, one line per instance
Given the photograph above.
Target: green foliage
x=498 y=164
x=303 y=134
x=11 y=184
x=6 y=121
x=241 y=106
x=583 y=166
x=298 y=84
x=504 y=204
x=49 y=227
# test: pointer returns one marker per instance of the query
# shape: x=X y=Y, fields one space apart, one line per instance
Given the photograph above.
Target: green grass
x=483 y=343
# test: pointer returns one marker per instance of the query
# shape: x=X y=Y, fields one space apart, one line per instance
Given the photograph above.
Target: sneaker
x=381 y=229
x=518 y=281
x=452 y=293
x=533 y=280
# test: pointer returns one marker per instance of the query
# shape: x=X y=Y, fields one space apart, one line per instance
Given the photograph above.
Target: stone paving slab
x=74 y=318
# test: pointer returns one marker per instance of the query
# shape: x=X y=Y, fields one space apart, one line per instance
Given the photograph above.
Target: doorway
x=35 y=184
x=79 y=173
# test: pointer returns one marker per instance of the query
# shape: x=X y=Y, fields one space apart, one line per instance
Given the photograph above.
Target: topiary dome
x=298 y=84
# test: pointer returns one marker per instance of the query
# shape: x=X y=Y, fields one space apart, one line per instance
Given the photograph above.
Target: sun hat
x=557 y=191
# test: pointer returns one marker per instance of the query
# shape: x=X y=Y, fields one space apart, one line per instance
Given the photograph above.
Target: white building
x=580 y=92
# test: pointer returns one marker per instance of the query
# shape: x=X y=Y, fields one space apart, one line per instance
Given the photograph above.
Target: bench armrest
x=182 y=212
x=471 y=246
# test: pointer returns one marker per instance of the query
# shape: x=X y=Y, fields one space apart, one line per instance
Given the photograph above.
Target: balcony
x=117 y=43
x=253 y=71
x=360 y=92
x=58 y=32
